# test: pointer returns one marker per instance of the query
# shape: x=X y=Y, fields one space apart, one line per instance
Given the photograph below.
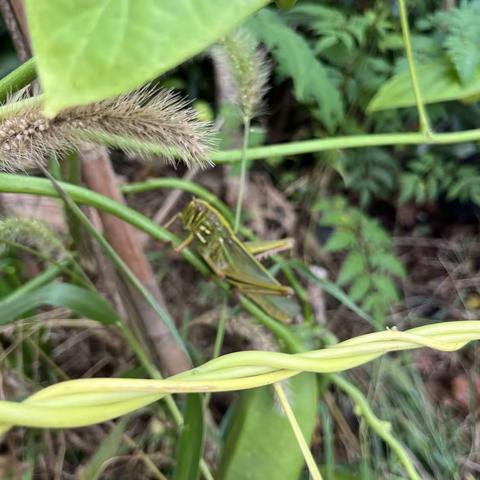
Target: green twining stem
x=351 y=141
x=99 y=399
x=422 y=112
x=19 y=78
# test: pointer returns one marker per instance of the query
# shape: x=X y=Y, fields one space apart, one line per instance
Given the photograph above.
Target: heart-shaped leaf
x=95 y=49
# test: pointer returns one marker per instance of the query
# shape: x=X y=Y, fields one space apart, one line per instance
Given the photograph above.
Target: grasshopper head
x=193 y=213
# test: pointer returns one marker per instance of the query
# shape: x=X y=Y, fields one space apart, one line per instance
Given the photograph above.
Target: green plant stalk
x=39 y=186
x=381 y=428
x=88 y=401
x=180 y=183
x=217 y=347
x=350 y=141
x=243 y=175
x=294 y=148
x=220 y=331
x=300 y=147
x=297 y=431
x=422 y=112
x=19 y=78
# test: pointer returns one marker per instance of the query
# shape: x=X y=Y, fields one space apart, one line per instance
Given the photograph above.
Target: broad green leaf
x=260 y=443
x=190 y=445
x=285 y=3
x=95 y=49
x=438 y=83
x=108 y=448
x=80 y=300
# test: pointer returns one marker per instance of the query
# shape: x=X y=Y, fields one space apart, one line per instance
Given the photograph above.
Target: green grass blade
x=107 y=449
x=80 y=300
x=190 y=445
x=335 y=291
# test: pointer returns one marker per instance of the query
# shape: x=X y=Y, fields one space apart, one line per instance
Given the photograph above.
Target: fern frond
x=296 y=60
x=370 y=265
x=462 y=25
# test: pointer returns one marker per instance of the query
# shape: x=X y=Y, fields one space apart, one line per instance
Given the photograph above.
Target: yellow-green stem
x=243 y=175
x=422 y=113
x=297 y=431
x=381 y=428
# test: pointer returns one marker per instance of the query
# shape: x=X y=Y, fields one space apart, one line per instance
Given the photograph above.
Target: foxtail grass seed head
x=144 y=119
x=30 y=233
x=245 y=69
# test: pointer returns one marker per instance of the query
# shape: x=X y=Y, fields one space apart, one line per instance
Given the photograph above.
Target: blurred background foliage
x=392 y=230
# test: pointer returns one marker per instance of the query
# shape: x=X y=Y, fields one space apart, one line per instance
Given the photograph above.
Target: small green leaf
x=97 y=49
x=190 y=445
x=408 y=186
x=391 y=264
x=359 y=288
x=352 y=266
x=385 y=287
x=438 y=83
x=340 y=240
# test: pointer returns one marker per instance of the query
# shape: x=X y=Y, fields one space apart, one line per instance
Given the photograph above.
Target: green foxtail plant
x=145 y=115
x=245 y=73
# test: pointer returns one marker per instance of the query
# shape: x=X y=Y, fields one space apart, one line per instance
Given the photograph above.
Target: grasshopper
x=213 y=238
